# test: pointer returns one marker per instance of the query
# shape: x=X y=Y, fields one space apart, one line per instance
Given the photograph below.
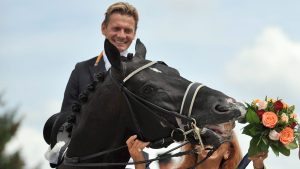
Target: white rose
x=274 y=135
x=284 y=118
x=261 y=104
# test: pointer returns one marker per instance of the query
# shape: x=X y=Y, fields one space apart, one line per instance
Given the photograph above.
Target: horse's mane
x=235 y=157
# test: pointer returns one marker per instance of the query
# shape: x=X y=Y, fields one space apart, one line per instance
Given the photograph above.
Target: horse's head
x=158 y=97
x=151 y=99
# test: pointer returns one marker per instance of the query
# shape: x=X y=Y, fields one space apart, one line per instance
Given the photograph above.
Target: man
x=119 y=27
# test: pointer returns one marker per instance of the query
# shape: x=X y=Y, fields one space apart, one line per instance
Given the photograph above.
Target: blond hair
x=122 y=8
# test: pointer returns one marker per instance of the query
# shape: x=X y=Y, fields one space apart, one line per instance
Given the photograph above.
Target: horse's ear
x=140 y=49
x=112 y=54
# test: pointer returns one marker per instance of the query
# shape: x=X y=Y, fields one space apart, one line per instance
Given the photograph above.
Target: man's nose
x=121 y=34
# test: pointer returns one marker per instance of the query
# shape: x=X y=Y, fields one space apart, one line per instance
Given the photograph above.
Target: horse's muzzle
x=241 y=107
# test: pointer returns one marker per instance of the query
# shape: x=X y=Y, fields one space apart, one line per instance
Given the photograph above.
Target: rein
x=78 y=162
x=184 y=114
x=178 y=134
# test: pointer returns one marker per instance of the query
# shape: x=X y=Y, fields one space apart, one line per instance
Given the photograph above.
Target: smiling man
x=119 y=27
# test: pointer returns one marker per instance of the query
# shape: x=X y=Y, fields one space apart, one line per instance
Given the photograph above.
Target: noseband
x=178 y=134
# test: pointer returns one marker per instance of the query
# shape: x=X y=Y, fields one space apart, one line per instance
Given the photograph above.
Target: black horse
x=137 y=96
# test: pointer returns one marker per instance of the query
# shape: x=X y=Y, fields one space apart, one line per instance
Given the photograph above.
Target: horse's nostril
x=222 y=108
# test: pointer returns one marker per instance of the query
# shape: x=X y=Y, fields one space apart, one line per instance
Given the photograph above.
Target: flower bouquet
x=271 y=123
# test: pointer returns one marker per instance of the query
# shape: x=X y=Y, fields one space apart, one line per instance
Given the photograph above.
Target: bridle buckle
x=197 y=133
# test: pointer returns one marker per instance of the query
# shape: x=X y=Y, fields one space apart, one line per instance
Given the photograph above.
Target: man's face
x=120 y=30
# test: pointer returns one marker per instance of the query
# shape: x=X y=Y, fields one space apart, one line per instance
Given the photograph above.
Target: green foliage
x=292 y=145
x=253 y=129
x=258 y=144
x=251 y=116
x=265 y=136
x=8 y=128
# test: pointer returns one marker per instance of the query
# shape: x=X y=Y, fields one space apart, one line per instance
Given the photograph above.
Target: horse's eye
x=148 y=89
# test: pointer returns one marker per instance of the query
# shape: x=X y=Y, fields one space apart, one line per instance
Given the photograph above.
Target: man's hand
x=258 y=160
x=135 y=148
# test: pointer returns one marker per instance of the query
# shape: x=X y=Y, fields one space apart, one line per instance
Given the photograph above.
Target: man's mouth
x=118 y=42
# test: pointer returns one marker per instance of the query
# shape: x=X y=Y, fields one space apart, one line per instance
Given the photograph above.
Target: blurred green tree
x=8 y=128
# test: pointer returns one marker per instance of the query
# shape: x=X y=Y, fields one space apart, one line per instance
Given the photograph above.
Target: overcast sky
x=246 y=49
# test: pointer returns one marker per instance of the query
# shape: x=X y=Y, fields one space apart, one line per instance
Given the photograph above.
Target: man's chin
x=121 y=48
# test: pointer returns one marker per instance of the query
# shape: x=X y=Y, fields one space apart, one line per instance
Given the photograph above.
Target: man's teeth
x=119 y=42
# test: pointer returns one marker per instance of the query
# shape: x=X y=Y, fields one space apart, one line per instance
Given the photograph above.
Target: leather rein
x=189 y=129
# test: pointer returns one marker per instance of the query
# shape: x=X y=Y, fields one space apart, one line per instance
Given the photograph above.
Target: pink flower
x=274 y=135
x=255 y=101
x=269 y=119
x=284 y=118
x=294 y=115
x=261 y=104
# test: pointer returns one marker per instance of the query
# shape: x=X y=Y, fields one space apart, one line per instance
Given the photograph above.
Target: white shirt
x=106 y=61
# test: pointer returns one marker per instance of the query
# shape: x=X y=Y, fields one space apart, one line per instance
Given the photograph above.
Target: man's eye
x=116 y=29
x=128 y=31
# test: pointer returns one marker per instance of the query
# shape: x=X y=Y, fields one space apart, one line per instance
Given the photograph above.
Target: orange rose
x=286 y=136
x=269 y=119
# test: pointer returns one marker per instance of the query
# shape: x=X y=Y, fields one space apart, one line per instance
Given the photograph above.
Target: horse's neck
x=102 y=121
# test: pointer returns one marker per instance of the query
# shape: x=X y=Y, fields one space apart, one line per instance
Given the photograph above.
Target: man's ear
x=112 y=54
x=103 y=28
x=140 y=49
